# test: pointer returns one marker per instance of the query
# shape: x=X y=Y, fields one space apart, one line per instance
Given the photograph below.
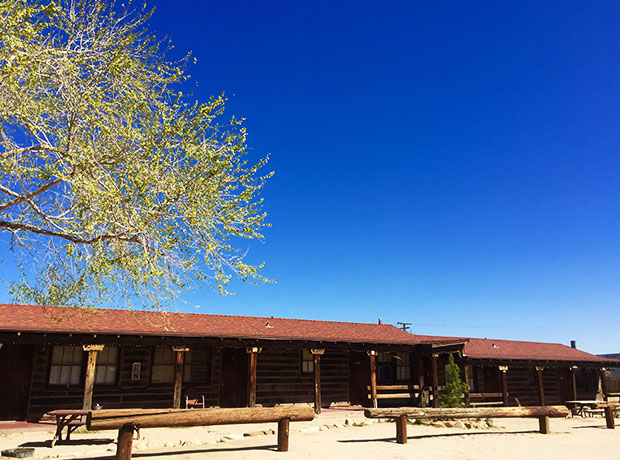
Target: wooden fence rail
x=129 y=420
x=542 y=413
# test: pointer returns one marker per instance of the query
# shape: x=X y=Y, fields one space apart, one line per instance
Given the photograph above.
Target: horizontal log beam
x=485 y=395
x=395 y=395
x=395 y=387
x=478 y=412
x=109 y=419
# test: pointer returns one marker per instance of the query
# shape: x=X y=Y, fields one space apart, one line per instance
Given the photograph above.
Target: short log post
x=436 y=402
x=421 y=401
x=283 y=430
x=89 y=380
x=401 y=429
x=373 y=377
x=125 y=441
x=253 y=352
x=573 y=383
x=609 y=417
x=316 y=353
x=178 y=376
x=503 y=370
x=543 y=424
x=541 y=387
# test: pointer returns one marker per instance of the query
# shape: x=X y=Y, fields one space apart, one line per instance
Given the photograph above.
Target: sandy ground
x=341 y=435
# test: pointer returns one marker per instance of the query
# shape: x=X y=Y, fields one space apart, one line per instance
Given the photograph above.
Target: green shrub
x=453 y=393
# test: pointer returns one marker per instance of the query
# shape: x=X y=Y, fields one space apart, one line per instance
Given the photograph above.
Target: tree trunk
x=150 y=418
x=478 y=412
x=436 y=402
x=283 y=430
x=125 y=442
x=373 y=379
x=317 y=383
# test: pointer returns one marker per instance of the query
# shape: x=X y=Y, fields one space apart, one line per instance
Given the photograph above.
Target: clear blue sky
x=451 y=164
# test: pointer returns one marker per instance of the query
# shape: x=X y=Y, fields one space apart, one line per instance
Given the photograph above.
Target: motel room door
x=564 y=385
x=16 y=367
x=359 y=378
x=234 y=378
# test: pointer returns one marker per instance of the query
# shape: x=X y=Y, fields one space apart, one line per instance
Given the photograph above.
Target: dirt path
x=327 y=437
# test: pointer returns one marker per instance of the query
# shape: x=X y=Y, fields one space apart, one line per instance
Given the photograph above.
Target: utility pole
x=404 y=326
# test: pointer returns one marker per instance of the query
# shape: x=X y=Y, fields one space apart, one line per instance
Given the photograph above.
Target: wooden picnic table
x=72 y=419
x=578 y=407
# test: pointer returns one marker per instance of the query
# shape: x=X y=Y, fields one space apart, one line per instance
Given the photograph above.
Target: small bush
x=453 y=393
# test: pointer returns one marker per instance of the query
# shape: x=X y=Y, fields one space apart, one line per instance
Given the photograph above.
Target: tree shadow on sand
x=71 y=442
x=439 y=435
x=174 y=453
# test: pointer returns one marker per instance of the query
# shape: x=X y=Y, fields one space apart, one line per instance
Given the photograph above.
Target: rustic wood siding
x=279 y=378
x=126 y=393
x=552 y=388
x=522 y=384
x=334 y=377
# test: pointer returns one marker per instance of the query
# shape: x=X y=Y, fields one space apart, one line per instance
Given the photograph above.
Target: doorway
x=15 y=373
x=359 y=378
x=234 y=378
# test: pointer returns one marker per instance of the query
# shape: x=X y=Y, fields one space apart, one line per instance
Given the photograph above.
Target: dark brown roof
x=512 y=349
x=41 y=319
x=498 y=349
x=29 y=318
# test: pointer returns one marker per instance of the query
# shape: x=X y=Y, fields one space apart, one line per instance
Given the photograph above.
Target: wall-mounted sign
x=135 y=371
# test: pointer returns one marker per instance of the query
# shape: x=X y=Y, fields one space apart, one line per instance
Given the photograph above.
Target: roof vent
x=495 y=346
x=268 y=326
x=573 y=344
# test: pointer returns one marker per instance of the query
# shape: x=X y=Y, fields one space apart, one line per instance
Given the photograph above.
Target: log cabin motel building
x=67 y=358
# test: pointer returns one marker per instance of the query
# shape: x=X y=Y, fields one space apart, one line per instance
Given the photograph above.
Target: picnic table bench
x=129 y=420
x=401 y=414
x=66 y=418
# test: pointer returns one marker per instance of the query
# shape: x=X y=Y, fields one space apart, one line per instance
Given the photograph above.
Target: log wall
x=279 y=379
x=125 y=393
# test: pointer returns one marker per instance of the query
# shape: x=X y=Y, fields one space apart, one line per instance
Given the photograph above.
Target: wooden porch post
x=603 y=377
x=541 y=387
x=466 y=378
x=421 y=402
x=435 y=380
x=89 y=381
x=316 y=353
x=178 y=376
x=253 y=352
x=373 y=377
x=573 y=382
x=503 y=370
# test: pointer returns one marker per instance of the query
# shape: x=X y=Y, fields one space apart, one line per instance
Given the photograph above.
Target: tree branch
x=20 y=198
x=12 y=226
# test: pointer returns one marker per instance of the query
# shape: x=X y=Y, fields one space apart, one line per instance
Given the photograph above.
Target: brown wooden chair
x=193 y=399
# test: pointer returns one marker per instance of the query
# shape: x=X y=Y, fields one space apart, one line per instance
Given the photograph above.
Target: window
x=164 y=365
x=403 y=368
x=105 y=371
x=197 y=365
x=385 y=367
x=66 y=365
x=307 y=362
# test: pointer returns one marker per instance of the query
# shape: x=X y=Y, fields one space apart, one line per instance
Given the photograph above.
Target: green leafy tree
x=114 y=185
x=453 y=393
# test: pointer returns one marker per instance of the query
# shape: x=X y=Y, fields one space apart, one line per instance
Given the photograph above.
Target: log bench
x=401 y=414
x=129 y=420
